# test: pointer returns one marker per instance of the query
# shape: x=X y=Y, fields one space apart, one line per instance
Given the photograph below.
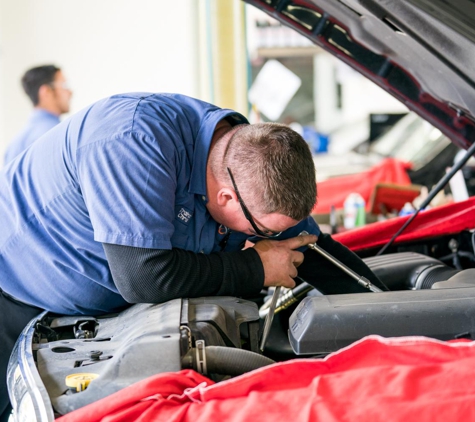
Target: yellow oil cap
x=80 y=381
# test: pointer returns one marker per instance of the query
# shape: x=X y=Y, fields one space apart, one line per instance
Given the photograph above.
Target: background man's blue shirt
x=128 y=170
x=39 y=123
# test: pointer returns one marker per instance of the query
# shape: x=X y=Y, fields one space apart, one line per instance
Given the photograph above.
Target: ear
x=43 y=93
x=226 y=197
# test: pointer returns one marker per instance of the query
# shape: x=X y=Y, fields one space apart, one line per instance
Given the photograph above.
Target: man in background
x=47 y=89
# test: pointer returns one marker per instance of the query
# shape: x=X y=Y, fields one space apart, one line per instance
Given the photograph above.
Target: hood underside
x=420 y=51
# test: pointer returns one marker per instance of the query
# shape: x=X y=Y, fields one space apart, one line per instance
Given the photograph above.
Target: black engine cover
x=327 y=323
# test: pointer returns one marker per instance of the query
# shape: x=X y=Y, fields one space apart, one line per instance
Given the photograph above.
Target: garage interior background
x=210 y=49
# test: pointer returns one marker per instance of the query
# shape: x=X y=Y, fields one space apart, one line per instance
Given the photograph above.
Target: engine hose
x=231 y=361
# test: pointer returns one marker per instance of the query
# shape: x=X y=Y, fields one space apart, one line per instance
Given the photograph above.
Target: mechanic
x=151 y=197
x=47 y=89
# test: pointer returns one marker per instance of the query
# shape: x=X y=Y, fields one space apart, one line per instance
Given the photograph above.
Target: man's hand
x=280 y=260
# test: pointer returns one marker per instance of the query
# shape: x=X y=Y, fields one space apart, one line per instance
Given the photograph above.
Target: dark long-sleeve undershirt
x=156 y=275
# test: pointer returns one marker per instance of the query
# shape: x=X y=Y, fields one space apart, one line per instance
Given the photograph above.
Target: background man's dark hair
x=35 y=77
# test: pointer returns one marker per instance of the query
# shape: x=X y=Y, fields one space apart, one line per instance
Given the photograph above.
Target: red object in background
x=334 y=191
x=375 y=379
x=438 y=221
x=389 y=197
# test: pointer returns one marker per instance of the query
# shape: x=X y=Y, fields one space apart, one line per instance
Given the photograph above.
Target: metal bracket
x=200 y=357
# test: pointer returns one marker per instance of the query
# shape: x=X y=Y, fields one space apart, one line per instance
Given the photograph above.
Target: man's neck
x=216 y=152
x=50 y=110
x=220 y=130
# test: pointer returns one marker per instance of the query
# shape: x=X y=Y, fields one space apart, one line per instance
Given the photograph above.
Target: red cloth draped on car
x=441 y=220
x=375 y=379
x=334 y=191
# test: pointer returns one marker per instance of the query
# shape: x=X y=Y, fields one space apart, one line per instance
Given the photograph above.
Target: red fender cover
x=375 y=379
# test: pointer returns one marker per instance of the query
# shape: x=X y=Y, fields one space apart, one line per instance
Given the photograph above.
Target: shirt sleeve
x=154 y=276
x=128 y=183
x=309 y=225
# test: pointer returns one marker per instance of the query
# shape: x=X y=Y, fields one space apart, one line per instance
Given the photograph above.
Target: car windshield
x=412 y=139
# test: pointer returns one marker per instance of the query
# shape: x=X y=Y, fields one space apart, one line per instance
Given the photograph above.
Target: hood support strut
x=435 y=190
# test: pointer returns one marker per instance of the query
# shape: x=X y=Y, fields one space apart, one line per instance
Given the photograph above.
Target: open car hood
x=420 y=51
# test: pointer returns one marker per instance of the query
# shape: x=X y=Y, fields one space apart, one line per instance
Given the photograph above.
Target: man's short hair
x=273 y=168
x=35 y=77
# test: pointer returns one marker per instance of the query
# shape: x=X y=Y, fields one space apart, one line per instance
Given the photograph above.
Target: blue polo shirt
x=39 y=123
x=128 y=170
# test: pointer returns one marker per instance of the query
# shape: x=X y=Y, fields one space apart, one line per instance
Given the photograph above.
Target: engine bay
x=82 y=359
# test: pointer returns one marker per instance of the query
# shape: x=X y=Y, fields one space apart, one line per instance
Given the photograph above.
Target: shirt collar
x=202 y=145
x=42 y=113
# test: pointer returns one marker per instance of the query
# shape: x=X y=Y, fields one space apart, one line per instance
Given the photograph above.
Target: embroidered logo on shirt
x=184 y=215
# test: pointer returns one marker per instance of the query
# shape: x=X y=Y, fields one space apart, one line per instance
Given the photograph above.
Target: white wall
x=103 y=46
x=350 y=125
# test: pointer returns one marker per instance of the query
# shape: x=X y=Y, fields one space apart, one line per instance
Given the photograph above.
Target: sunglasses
x=256 y=230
